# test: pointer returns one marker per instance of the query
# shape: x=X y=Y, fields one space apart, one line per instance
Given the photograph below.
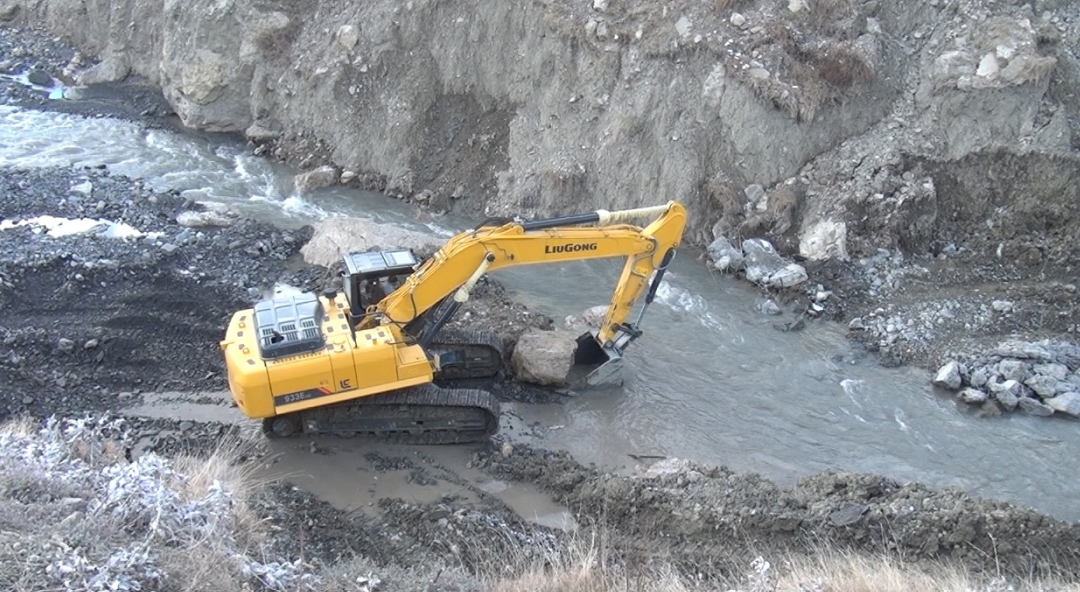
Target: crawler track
x=425 y=414
x=483 y=353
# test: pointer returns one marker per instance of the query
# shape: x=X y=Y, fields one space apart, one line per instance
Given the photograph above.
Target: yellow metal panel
x=412 y=362
x=300 y=372
x=248 y=381
x=374 y=358
x=339 y=338
x=353 y=394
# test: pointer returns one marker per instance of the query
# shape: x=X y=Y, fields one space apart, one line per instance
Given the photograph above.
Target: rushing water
x=712 y=379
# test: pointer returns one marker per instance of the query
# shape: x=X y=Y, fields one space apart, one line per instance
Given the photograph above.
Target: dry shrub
x=841 y=65
x=1036 y=69
x=726 y=195
x=723 y=6
x=222 y=466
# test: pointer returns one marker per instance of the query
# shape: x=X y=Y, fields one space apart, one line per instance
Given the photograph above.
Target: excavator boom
x=298 y=361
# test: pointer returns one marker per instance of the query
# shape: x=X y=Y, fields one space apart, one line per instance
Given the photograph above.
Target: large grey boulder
x=318 y=178
x=1007 y=393
x=334 y=237
x=1013 y=369
x=544 y=357
x=1033 y=407
x=590 y=318
x=725 y=256
x=1067 y=403
x=973 y=396
x=948 y=376
x=111 y=69
x=1047 y=386
x=766 y=267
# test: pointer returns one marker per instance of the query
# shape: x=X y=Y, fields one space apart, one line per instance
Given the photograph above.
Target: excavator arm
x=454 y=269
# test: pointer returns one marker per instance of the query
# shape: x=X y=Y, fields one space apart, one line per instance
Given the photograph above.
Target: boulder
x=335 y=237
x=112 y=69
x=544 y=357
x=1033 y=407
x=1052 y=370
x=826 y=239
x=1007 y=393
x=1013 y=369
x=39 y=77
x=323 y=176
x=787 y=276
x=190 y=219
x=979 y=377
x=973 y=396
x=948 y=376
x=590 y=318
x=1023 y=350
x=724 y=255
x=766 y=267
x=1047 y=386
x=1067 y=403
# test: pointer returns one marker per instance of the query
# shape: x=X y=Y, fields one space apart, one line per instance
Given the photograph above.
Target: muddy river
x=712 y=380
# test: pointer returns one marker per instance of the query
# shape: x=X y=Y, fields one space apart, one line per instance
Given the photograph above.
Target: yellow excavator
x=365 y=360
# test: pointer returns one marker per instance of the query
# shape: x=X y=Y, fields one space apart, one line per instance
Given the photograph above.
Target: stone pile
x=1039 y=378
x=759 y=260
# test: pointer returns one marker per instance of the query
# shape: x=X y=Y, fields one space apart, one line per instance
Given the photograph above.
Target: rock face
x=443 y=95
x=544 y=357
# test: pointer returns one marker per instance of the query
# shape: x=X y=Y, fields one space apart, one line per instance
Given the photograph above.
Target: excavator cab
x=371 y=275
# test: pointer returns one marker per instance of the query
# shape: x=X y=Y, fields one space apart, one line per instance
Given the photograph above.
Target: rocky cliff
x=842 y=111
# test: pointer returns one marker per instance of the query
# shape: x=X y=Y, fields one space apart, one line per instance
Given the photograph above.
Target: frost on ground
x=75 y=508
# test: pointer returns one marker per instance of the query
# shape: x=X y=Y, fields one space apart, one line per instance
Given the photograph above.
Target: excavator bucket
x=594 y=364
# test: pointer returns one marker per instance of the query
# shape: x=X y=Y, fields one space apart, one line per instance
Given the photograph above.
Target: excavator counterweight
x=366 y=359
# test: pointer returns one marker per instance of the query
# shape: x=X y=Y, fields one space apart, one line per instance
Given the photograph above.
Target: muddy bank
x=713 y=520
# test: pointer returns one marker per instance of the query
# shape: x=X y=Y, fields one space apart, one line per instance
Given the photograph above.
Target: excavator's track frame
x=426 y=414
x=483 y=353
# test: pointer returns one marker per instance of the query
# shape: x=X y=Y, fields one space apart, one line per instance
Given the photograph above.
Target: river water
x=712 y=380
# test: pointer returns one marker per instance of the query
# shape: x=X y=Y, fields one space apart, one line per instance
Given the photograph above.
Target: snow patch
x=60 y=227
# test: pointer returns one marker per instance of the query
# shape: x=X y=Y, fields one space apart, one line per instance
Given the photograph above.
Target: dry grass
x=76 y=513
x=222 y=468
x=836 y=571
x=584 y=565
x=1036 y=69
